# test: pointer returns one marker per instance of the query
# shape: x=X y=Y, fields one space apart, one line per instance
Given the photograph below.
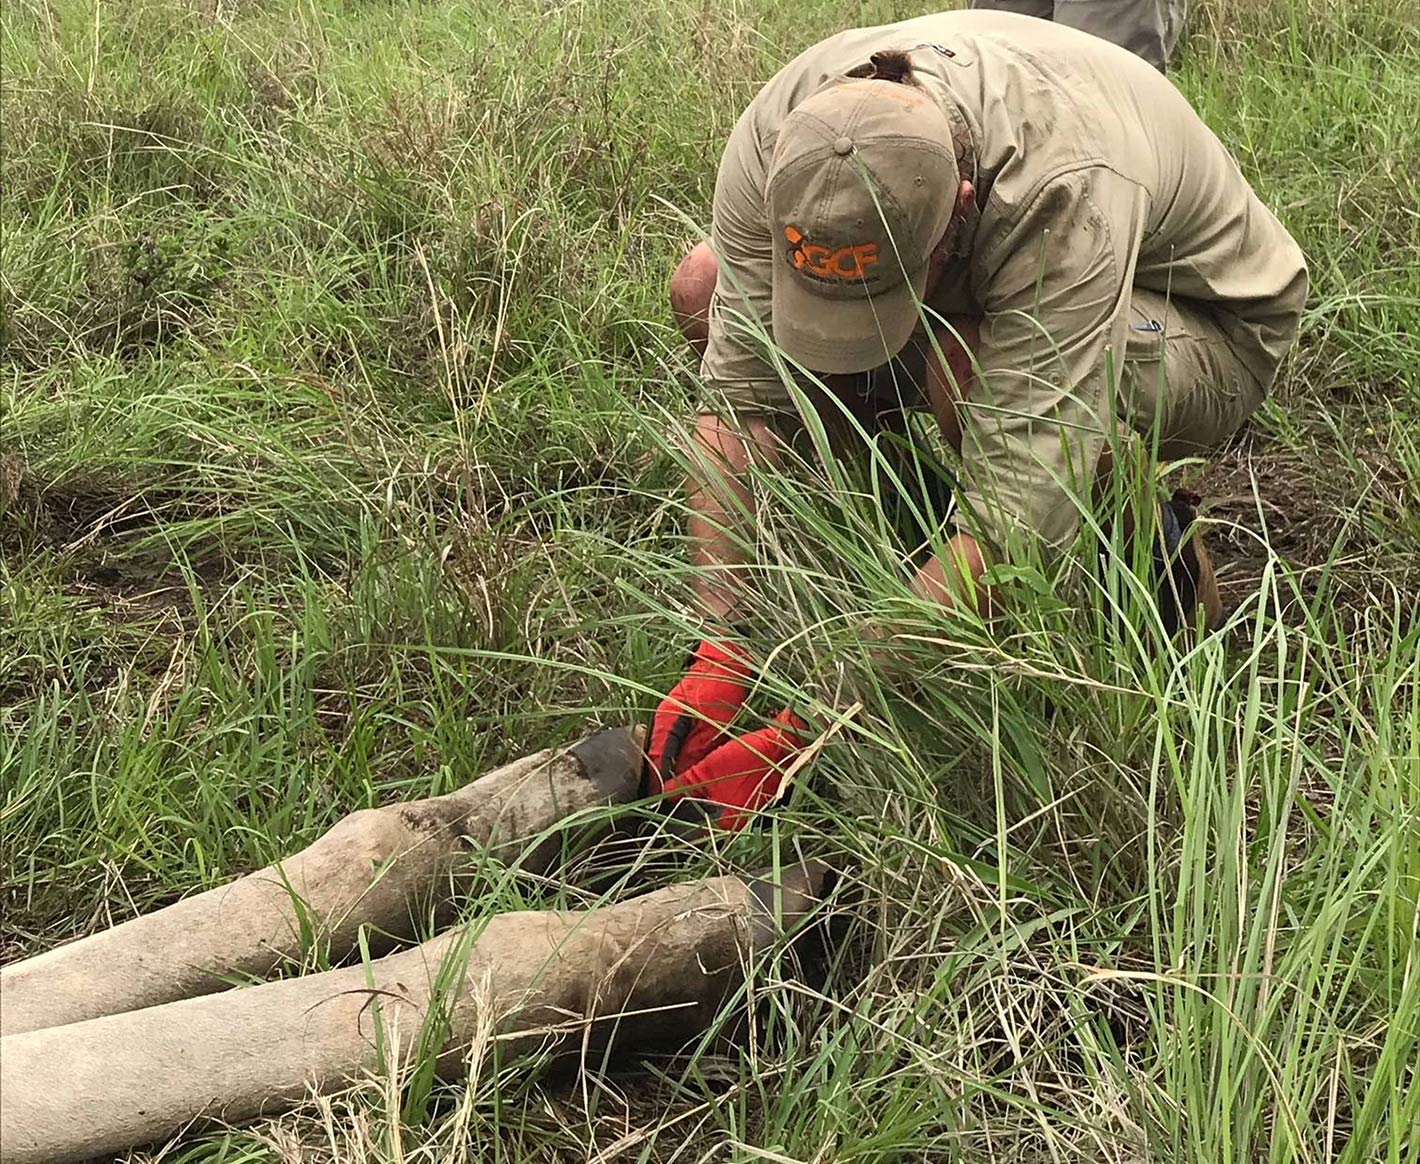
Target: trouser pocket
x=1183 y=383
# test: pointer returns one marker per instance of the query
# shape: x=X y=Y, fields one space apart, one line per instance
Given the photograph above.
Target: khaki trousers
x=1181 y=378
x=1147 y=28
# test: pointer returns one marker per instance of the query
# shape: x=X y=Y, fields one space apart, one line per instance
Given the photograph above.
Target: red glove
x=745 y=775
x=691 y=720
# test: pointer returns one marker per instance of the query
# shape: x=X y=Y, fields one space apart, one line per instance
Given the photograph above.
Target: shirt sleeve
x=737 y=367
x=1054 y=283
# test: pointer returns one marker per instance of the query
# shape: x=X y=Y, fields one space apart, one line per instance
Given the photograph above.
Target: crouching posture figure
x=1021 y=227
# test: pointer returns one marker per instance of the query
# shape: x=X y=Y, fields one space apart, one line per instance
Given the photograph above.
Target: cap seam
x=882 y=192
x=915 y=145
x=854 y=114
x=854 y=119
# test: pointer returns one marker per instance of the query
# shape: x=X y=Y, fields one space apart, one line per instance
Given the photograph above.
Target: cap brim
x=844 y=336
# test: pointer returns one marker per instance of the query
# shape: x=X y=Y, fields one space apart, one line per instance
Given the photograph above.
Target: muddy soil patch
x=1309 y=507
x=106 y=539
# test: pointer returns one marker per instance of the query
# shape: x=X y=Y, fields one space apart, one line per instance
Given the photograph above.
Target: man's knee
x=692 y=285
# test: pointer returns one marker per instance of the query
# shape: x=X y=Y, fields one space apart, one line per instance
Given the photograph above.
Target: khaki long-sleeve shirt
x=1093 y=175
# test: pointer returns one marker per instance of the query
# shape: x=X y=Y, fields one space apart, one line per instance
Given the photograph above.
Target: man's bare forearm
x=720 y=504
x=953 y=577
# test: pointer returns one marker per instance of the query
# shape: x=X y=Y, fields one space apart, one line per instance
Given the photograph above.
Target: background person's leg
x=1041 y=8
x=1141 y=26
x=1178 y=20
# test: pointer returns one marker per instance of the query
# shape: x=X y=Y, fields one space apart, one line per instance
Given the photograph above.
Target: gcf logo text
x=839 y=265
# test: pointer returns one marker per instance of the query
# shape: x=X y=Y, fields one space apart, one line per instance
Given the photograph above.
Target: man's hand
x=692 y=757
x=745 y=775
x=953 y=577
x=719 y=502
x=692 y=719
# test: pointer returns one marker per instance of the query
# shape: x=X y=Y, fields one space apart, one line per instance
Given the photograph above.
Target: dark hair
x=886 y=65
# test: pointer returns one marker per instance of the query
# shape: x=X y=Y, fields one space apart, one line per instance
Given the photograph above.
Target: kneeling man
x=1021 y=227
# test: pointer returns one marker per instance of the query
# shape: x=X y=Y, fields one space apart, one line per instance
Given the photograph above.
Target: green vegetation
x=337 y=407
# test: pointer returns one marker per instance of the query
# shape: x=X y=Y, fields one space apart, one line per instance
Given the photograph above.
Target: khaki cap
x=861 y=188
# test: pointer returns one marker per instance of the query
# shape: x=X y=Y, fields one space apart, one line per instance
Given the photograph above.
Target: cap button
x=843 y=146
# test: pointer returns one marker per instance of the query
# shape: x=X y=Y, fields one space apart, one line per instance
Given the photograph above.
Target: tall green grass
x=339 y=411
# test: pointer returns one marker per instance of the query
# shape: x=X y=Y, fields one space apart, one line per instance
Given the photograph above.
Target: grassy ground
x=334 y=402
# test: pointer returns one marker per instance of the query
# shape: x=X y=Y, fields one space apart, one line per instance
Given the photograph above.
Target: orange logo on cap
x=845 y=263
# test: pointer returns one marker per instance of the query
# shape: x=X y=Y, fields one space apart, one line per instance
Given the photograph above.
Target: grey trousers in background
x=1147 y=28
